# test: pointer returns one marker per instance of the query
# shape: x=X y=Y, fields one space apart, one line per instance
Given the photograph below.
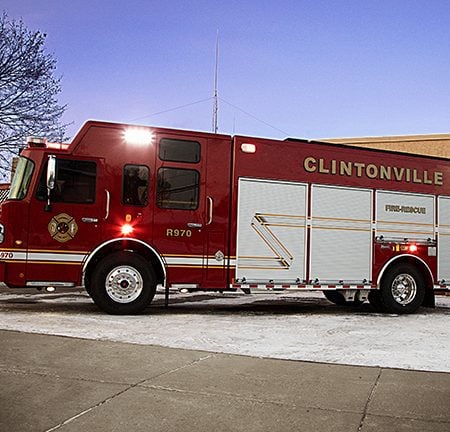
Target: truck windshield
x=21 y=180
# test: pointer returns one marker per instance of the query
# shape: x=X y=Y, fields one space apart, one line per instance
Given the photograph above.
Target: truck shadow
x=250 y=306
x=196 y=304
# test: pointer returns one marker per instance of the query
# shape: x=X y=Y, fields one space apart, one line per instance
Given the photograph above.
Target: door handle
x=89 y=220
x=210 y=213
x=194 y=225
x=108 y=199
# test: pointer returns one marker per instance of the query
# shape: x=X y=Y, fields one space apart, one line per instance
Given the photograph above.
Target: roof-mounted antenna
x=216 y=98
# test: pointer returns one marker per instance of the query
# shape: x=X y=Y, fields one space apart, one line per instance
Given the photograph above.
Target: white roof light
x=138 y=136
x=248 y=148
x=33 y=141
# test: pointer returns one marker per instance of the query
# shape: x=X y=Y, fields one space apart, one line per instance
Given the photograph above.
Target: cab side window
x=75 y=182
x=178 y=185
x=175 y=150
x=178 y=188
x=135 y=185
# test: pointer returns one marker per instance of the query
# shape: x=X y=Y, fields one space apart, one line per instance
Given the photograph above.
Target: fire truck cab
x=122 y=209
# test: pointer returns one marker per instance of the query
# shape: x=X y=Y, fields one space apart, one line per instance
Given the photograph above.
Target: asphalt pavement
x=54 y=383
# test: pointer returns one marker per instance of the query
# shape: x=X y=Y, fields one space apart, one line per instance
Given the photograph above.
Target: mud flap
x=429 y=300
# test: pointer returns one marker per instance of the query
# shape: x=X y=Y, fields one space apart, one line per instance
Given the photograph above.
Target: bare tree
x=28 y=90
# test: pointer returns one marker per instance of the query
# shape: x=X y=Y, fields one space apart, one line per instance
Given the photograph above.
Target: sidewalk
x=67 y=384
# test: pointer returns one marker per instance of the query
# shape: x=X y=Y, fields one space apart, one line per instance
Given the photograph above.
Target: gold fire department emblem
x=62 y=227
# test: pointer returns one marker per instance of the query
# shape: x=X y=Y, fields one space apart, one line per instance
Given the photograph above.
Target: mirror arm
x=48 y=205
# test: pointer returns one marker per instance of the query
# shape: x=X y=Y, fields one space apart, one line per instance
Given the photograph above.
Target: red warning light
x=413 y=248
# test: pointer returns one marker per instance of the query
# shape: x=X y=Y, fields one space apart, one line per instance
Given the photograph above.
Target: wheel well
x=125 y=245
x=424 y=271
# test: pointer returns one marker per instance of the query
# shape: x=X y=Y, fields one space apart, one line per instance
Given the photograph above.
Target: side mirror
x=51 y=172
x=51 y=180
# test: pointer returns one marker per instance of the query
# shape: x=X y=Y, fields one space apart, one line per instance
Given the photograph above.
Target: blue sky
x=305 y=68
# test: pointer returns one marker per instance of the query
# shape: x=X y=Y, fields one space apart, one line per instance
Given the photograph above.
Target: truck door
x=191 y=211
x=60 y=237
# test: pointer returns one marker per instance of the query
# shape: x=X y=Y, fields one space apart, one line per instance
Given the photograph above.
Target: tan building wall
x=432 y=145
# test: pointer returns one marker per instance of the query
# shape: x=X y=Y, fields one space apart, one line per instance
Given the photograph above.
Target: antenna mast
x=216 y=98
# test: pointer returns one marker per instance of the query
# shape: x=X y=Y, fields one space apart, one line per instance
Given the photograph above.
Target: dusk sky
x=307 y=69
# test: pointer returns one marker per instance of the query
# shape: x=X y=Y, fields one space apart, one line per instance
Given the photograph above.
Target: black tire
x=337 y=298
x=402 y=289
x=122 y=283
x=376 y=301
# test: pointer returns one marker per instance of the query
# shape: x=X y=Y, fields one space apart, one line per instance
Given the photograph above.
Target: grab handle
x=108 y=200
x=210 y=208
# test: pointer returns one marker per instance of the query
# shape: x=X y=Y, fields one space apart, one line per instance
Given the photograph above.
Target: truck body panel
x=210 y=211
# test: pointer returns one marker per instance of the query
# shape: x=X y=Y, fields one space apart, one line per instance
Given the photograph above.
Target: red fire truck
x=123 y=209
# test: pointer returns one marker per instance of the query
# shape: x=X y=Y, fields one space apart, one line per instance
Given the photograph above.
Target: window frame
x=147 y=186
x=21 y=182
x=183 y=161
x=197 y=189
x=42 y=184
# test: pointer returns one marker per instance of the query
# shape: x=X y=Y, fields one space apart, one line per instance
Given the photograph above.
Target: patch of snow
x=295 y=326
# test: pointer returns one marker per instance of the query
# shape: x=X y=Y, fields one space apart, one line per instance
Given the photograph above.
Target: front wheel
x=122 y=283
x=402 y=289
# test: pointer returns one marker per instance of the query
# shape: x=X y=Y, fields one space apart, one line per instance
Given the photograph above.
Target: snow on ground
x=297 y=326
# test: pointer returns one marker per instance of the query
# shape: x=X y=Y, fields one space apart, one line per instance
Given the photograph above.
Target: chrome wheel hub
x=124 y=284
x=404 y=289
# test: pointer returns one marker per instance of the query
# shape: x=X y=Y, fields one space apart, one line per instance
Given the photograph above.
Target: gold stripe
x=256 y=257
x=280 y=215
x=182 y=256
x=56 y=251
x=343 y=229
x=407 y=232
x=404 y=223
x=340 y=219
x=283 y=262
x=274 y=237
x=55 y=262
x=262 y=268
x=283 y=225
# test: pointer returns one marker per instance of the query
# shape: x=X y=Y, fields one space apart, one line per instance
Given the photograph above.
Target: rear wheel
x=122 y=283
x=402 y=289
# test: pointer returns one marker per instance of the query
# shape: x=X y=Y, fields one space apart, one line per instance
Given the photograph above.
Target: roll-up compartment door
x=403 y=216
x=341 y=234
x=444 y=240
x=271 y=231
